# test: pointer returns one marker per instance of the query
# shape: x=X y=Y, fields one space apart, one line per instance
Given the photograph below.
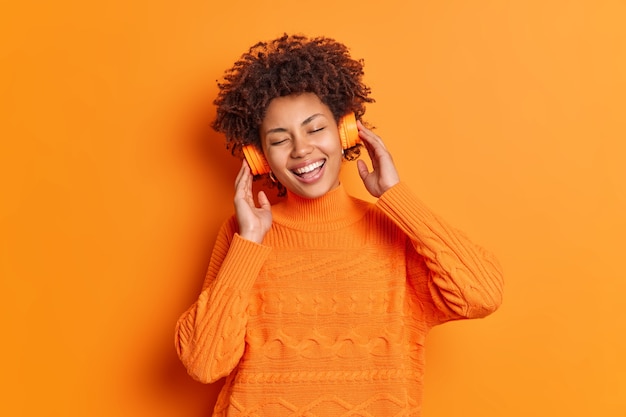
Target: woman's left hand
x=384 y=174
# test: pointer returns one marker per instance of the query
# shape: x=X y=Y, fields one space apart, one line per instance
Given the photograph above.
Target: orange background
x=506 y=117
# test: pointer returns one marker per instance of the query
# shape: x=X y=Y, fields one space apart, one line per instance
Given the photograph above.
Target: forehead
x=294 y=109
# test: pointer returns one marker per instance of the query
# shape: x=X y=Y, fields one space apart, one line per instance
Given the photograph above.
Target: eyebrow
x=304 y=123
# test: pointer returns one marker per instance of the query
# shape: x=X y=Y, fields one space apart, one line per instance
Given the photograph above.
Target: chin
x=312 y=192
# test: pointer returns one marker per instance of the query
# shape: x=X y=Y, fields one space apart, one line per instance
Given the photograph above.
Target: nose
x=301 y=147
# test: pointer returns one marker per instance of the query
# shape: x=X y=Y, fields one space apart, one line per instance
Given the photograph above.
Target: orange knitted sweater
x=328 y=316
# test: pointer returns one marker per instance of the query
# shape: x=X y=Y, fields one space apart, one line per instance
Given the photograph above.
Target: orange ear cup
x=256 y=160
x=348 y=134
x=348 y=131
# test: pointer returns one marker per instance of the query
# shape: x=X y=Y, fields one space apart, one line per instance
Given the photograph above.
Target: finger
x=368 y=133
x=241 y=173
x=374 y=154
x=243 y=186
x=363 y=170
x=264 y=202
x=372 y=141
x=366 y=143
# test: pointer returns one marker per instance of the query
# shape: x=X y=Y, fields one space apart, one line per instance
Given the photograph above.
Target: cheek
x=276 y=159
x=334 y=147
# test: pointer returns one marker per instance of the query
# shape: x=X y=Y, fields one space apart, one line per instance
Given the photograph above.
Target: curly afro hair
x=291 y=64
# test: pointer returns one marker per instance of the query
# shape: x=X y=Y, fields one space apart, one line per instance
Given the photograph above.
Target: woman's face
x=301 y=143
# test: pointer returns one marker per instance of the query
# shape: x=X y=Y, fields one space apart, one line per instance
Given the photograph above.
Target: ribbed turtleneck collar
x=332 y=211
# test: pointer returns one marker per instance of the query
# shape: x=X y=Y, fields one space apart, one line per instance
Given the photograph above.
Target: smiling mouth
x=309 y=170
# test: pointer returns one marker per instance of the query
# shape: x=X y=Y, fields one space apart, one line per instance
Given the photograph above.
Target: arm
x=210 y=334
x=463 y=280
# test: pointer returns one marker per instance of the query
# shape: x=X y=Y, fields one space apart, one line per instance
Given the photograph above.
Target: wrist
x=252 y=236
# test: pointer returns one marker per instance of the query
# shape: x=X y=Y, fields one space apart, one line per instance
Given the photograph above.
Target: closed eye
x=279 y=142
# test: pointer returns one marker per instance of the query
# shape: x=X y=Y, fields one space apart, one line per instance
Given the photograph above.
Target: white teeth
x=308 y=168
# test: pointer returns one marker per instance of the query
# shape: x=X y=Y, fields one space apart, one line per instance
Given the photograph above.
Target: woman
x=320 y=304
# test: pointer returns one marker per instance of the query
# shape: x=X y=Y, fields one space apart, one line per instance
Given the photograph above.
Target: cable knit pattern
x=329 y=316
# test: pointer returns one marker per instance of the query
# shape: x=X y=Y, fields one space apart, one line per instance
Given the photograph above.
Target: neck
x=333 y=210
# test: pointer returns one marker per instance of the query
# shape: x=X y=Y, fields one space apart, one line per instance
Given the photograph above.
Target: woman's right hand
x=254 y=222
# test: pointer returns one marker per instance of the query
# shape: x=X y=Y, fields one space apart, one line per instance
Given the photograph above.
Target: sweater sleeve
x=463 y=280
x=210 y=334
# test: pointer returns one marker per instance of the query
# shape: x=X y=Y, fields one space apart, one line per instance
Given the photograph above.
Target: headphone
x=348 y=133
